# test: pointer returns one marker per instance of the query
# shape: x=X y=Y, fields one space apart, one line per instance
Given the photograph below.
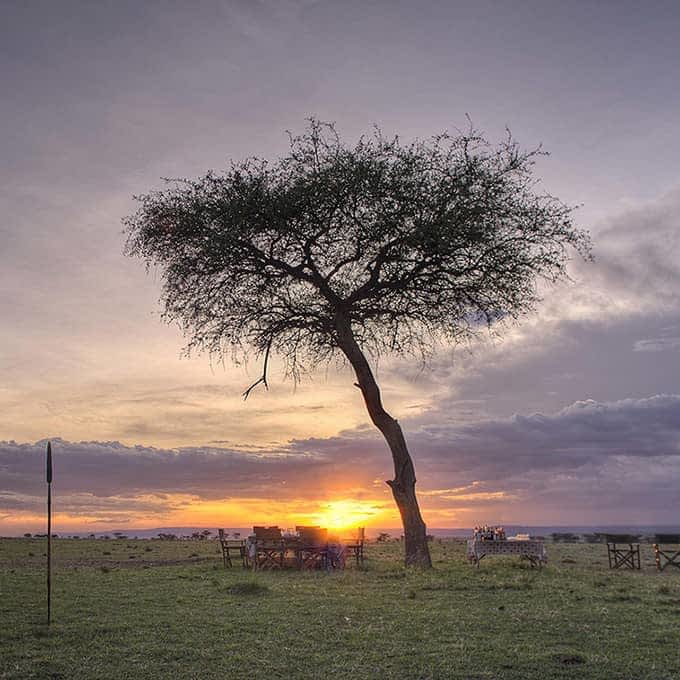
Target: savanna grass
x=167 y=613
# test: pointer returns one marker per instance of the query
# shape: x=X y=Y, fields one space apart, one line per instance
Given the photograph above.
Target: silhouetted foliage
x=379 y=248
x=594 y=538
x=414 y=243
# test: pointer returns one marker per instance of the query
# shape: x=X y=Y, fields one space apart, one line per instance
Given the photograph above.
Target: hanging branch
x=263 y=378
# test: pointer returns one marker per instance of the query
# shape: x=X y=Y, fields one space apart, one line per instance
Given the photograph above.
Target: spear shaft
x=49 y=533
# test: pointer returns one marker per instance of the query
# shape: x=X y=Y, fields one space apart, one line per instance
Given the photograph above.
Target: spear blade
x=49 y=462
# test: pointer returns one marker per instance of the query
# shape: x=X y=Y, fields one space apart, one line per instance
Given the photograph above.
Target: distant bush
x=565 y=537
x=594 y=538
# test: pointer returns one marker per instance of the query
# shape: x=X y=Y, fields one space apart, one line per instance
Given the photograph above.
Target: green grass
x=173 y=611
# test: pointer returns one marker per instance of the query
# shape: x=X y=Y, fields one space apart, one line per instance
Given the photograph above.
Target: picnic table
x=532 y=550
x=308 y=548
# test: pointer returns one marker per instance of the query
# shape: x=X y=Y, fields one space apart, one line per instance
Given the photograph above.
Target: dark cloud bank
x=588 y=459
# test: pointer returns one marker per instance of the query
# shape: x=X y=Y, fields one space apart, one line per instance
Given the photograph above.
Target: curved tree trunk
x=403 y=485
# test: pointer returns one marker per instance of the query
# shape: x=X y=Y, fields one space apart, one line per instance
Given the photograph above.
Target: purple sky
x=562 y=420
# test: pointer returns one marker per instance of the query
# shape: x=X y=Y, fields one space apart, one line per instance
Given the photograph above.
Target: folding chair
x=623 y=551
x=312 y=551
x=269 y=548
x=667 y=556
x=355 y=546
x=235 y=546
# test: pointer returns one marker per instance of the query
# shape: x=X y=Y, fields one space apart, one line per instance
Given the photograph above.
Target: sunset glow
x=346 y=514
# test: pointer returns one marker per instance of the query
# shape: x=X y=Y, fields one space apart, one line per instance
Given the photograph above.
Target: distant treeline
x=568 y=537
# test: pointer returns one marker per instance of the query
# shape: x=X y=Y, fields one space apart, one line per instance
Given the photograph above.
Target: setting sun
x=347 y=513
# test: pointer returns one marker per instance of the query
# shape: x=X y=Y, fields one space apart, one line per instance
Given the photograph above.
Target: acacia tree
x=356 y=251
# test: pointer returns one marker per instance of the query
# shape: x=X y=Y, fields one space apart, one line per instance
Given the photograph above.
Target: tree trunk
x=403 y=485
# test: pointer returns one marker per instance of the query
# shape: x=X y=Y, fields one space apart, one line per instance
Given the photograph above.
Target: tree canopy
x=415 y=243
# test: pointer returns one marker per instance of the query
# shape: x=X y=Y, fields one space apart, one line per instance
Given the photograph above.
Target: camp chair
x=312 y=551
x=623 y=551
x=232 y=546
x=269 y=549
x=355 y=546
x=663 y=555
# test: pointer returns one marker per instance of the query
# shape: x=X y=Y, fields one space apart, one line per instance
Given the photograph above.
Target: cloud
x=111 y=468
x=97 y=471
x=586 y=432
x=666 y=342
x=582 y=464
x=638 y=252
x=583 y=432
x=636 y=268
x=590 y=457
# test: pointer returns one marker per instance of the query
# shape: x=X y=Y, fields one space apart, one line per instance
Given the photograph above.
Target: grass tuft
x=248 y=588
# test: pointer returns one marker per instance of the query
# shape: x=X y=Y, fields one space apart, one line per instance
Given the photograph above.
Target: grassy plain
x=160 y=609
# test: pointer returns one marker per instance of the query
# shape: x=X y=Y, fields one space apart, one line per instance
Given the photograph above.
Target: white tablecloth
x=533 y=550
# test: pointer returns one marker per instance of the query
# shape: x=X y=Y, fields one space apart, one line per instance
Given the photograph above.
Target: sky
x=571 y=417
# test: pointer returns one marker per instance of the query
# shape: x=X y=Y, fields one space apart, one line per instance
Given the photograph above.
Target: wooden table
x=534 y=551
x=291 y=551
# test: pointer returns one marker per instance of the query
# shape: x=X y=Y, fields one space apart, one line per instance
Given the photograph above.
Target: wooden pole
x=49 y=533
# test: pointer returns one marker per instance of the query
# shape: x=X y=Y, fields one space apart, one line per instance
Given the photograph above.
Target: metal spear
x=49 y=533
